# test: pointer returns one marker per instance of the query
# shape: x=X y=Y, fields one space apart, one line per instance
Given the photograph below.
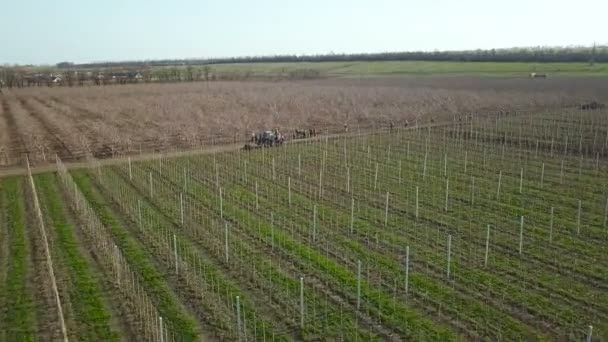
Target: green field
x=358 y=69
x=488 y=228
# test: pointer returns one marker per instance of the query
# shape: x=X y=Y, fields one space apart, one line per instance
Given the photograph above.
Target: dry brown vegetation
x=110 y=120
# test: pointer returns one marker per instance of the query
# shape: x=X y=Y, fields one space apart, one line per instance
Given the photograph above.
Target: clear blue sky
x=50 y=31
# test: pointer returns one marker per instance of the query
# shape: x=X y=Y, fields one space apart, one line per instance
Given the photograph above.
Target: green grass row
x=91 y=314
x=17 y=316
x=140 y=260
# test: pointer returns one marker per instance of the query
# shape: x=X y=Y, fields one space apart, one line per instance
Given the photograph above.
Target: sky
x=48 y=32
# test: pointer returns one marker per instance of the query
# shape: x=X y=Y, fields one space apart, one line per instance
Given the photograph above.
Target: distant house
x=127 y=77
x=537 y=75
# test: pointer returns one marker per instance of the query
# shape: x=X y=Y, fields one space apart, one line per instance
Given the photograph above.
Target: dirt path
x=50 y=167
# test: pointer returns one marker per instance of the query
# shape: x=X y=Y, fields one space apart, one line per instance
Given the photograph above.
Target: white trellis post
x=314 y=223
x=498 y=189
x=256 y=196
x=139 y=213
x=542 y=175
x=376 y=177
x=221 y=205
x=465 y=161
x=321 y=182
x=302 y=302
x=551 y=226
x=561 y=173
x=447 y=191
x=175 y=253
x=606 y=214
x=238 y=317
x=352 y=215
x=578 y=218
x=299 y=165
x=386 y=210
x=449 y=255
x=358 y=284
x=130 y=171
x=485 y=261
x=472 y=191
x=590 y=334
x=273 y=170
x=160 y=327
x=521 y=234
x=347 y=179
x=185 y=181
x=399 y=171
x=417 y=202
x=151 y=192
x=289 y=190
x=445 y=164
x=521 y=179
x=226 y=240
x=407 y=269
x=272 y=231
x=424 y=166
x=181 y=207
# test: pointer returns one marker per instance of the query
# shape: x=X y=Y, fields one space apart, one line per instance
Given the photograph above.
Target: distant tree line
x=593 y=54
